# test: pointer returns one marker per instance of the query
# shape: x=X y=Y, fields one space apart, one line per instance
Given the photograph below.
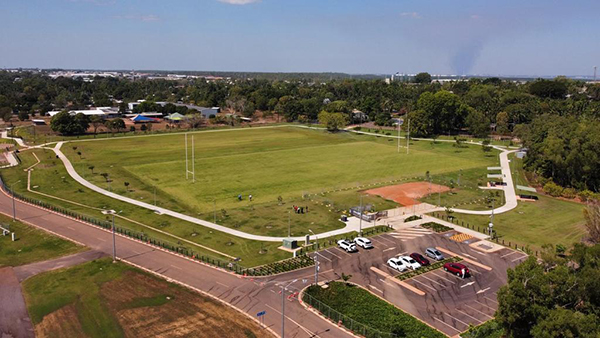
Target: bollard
x=13 y=236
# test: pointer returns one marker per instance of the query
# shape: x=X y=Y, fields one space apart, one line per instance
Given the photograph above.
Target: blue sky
x=507 y=37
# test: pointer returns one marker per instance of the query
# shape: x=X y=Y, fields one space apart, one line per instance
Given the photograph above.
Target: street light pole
x=316 y=257
x=283 y=291
x=360 y=218
x=114 y=239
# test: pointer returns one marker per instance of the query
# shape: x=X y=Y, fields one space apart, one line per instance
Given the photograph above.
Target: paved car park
x=443 y=300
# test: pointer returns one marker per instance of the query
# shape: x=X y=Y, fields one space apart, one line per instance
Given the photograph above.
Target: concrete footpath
x=14 y=319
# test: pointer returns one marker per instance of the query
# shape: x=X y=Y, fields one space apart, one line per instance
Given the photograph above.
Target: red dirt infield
x=407 y=193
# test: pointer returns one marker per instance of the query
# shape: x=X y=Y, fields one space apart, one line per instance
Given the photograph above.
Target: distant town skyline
x=534 y=38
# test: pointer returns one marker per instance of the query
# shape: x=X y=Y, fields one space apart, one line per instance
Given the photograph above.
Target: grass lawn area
x=266 y=163
x=47 y=178
x=363 y=307
x=105 y=299
x=548 y=220
x=32 y=245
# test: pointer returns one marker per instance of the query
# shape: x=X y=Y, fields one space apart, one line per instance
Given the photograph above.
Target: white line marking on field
x=388 y=249
x=443 y=322
x=468 y=315
x=482 y=290
x=483 y=313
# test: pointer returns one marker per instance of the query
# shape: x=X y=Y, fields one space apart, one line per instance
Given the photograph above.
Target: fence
x=339 y=318
x=166 y=245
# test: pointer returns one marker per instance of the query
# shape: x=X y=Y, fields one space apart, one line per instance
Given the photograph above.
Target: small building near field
x=143 y=119
x=38 y=122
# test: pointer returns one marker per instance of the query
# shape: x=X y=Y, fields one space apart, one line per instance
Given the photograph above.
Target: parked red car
x=419 y=258
x=458 y=269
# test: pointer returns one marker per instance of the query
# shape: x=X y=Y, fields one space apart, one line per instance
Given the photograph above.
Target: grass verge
x=31 y=245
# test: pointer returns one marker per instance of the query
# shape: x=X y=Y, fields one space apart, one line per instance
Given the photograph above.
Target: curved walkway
x=348 y=228
x=509 y=191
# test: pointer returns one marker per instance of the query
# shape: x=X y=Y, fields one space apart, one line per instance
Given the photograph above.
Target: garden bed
x=436 y=227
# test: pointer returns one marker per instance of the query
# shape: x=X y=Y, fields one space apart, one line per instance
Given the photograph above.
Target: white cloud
x=413 y=15
x=239 y=2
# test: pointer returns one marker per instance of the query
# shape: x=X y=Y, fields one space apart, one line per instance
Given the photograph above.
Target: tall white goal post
x=187 y=166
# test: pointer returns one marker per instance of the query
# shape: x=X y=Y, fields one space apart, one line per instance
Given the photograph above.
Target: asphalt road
x=14 y=319
x=248 y=295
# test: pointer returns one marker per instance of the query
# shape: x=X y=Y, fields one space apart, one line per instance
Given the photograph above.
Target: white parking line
x=431 y=280
x=483 y=313
x=443 y=322
x=176 y=267
x=458 y=320
x=329 y=252
x=340 y=250
x=432 y=272
x=491 y=300
x=466 y=254
x=468 y=315
x=477 y=252
x=425 y=285
x=374 y=288
x=482 y=290
x=388 y=249
x=225 y=285
x=385 y=239
x=518 y=259
x=508 y=254
x=101 y=239
x=480 y=303
x=323 y=256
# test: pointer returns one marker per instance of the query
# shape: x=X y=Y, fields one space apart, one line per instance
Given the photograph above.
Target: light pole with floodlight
x=112 y=212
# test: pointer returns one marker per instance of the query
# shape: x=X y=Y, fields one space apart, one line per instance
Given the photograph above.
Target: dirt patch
x=60 y=323
x=185 y=314
x=407 y=193
x=14 y=319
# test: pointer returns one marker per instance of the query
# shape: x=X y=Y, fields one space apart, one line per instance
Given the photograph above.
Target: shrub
x=587 y=195
x=553 y=189
x=436 y=227
x=412 y=218
x=569 y=193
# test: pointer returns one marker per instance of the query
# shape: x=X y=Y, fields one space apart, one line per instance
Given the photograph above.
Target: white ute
x=346 y=245
x=397 y=263
x=365 y=243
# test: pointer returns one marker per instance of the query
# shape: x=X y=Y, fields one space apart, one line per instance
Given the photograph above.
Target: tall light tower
x=595 y=68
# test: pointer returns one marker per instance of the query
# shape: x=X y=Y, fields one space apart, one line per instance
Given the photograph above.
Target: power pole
x=361 y=216
x=186 y=158
x=398 y=136
x=595 y=68
x=215 y=211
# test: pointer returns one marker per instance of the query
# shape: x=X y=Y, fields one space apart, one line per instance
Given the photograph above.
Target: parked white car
x=346 y=245
x=411 y=263
x=365 y=243
x=397 y=263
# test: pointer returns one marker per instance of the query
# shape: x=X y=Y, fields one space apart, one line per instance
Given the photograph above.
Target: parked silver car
x=434 y=254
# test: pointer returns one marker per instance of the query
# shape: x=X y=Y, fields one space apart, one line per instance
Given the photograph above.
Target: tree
x=23 y=115
x=105 y=175
x=92 y=168
x=423 y=78
x=485 y=146
x=502 y=123
x=110 y=126
x=66 y=124
x=592 y=221
x=249 y=109
x=132 y=129
x=96 y=121
x=126 y=185
x=548 y=89
x=333 y=121
x=143 y=127
x=5 y=113
x=478 y=125
x=118 y=124
x=79 y=153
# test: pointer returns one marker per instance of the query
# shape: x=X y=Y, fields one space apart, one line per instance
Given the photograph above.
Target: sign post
x=261 y=316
